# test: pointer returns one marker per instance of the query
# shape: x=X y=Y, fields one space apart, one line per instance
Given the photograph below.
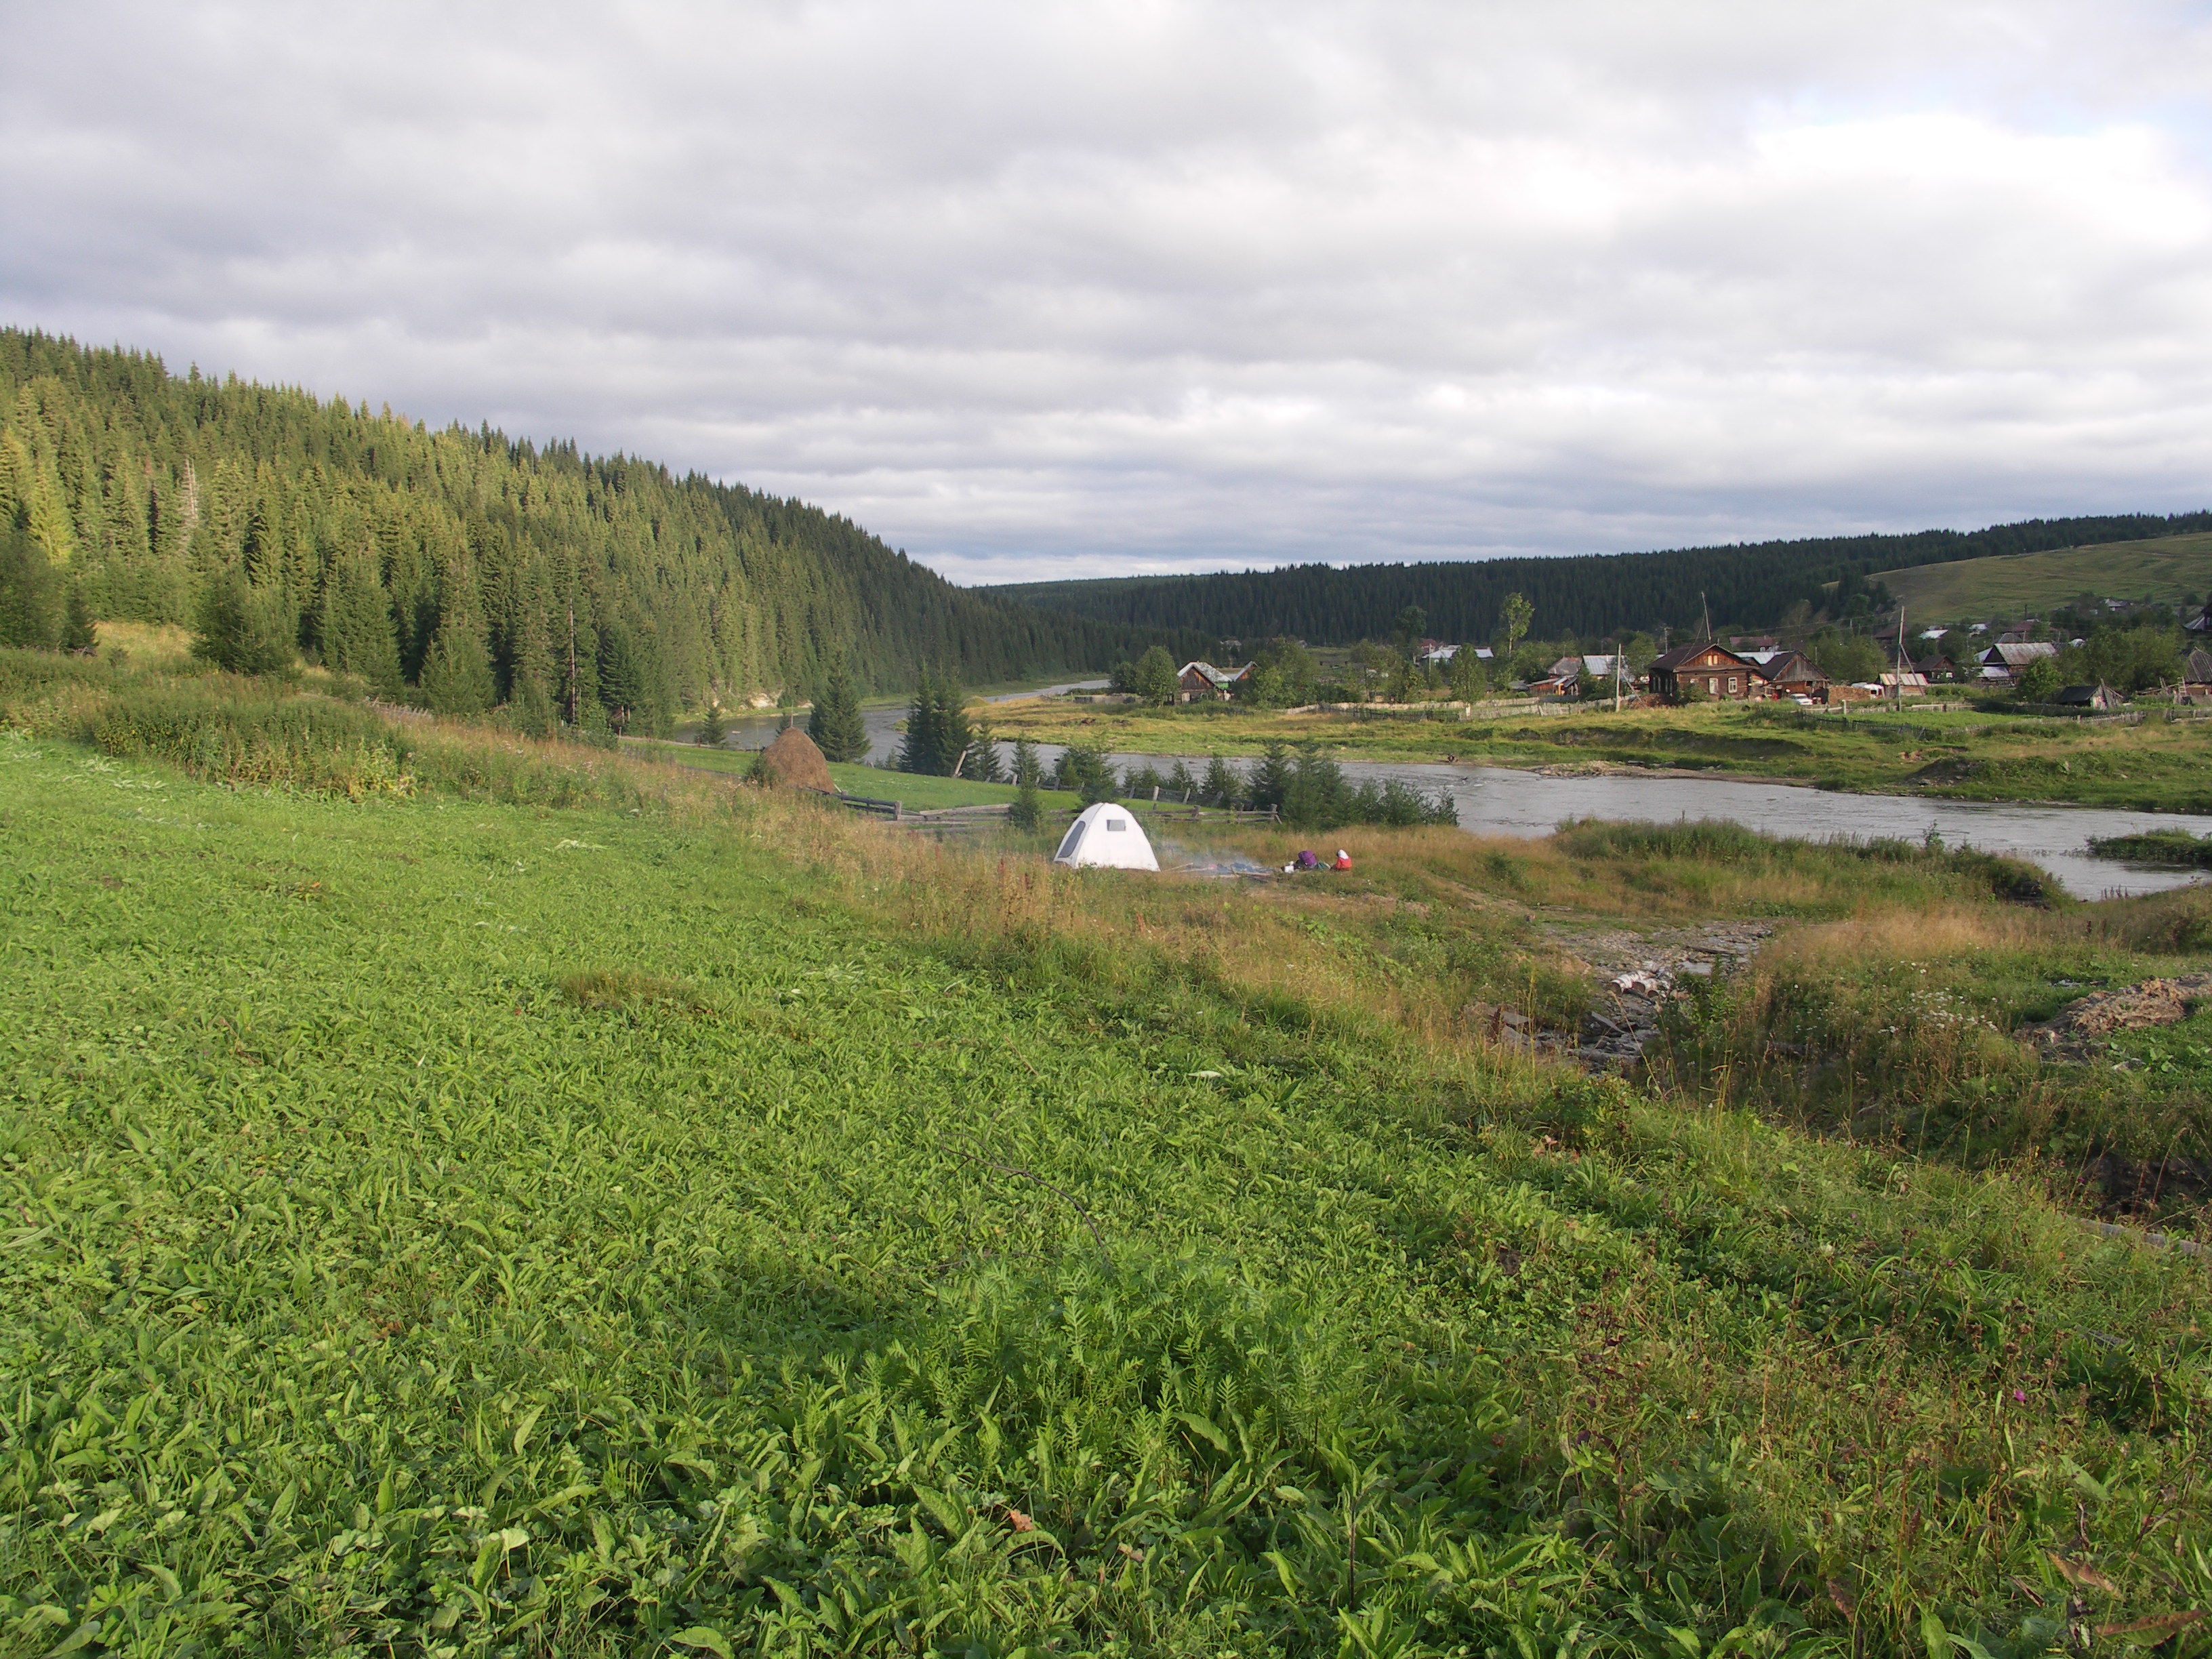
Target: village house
x=1911 y=683
x=2002 y=663
x=1789 y=674
x=1200 y=680
x=1713 y=670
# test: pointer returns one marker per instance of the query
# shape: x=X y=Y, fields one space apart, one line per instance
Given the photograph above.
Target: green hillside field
x=1980 y=590
x=466 y=1196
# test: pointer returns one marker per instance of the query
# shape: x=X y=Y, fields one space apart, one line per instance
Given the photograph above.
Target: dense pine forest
x=465 y=568
x=1595 y=597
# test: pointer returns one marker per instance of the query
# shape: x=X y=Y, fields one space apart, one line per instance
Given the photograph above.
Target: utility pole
x=571 y=661
x=1900 y=699
x=1706 y=606
x=1616 y=676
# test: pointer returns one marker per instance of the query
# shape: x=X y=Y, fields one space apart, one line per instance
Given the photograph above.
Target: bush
x=234 y=734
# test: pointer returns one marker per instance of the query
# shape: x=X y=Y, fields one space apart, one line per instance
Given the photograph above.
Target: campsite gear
x=1306 y=860
x=1343 y=858
x=1106 y=835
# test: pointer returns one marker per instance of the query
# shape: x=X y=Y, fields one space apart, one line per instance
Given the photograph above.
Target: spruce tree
x=1029 y=771
x=921 y=747
x=28 y=611
x=78 y=633
x=713 y=729
x=356 y=624
x=835 y=725
x=983 y=764
x=245 y=629
x=457 y=677
x=1273 y=777
x=954 y=736
x=1222 y=785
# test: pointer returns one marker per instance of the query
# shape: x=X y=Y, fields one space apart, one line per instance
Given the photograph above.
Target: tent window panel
x=1074 y=840
x=1117 y=824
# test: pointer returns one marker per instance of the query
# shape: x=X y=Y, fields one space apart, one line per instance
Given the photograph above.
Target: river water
x=1494 y=801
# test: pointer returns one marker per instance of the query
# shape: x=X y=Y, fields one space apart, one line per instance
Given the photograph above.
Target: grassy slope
x=1980 y=590
x=1972 y=756
x=365 y=1290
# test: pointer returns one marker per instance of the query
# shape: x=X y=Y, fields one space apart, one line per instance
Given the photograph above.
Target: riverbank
x=2158 y=765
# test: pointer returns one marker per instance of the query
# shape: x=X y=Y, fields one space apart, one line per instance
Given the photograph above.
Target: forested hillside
x=1754 y=585
x=394 y=549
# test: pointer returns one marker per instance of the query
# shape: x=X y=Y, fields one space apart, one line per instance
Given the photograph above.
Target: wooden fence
x=960 y=819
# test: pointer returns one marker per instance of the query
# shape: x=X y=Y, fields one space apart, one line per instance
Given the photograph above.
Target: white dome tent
x=1108 y=836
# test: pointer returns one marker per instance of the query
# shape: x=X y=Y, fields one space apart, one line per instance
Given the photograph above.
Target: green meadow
x=1982 y=590
x=461 y=1201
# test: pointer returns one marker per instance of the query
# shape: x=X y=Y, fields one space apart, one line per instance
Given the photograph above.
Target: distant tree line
x=461 y=569
x=1591 y=596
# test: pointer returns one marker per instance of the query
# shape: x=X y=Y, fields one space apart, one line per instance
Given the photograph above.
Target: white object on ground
x=1107 y=837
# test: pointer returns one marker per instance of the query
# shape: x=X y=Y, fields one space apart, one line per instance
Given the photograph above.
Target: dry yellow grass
x=145 y=645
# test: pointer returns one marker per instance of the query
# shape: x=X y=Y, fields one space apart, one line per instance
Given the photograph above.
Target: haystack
x=792 y=762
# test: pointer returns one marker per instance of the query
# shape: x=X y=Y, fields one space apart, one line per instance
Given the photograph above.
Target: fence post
x=899 y=811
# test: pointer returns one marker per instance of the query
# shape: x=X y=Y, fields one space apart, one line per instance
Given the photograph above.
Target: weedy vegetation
x=639 y=1214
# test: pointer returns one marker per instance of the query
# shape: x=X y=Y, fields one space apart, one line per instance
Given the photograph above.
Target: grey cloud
x=1035 y=288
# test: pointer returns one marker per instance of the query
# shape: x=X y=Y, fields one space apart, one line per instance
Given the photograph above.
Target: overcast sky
x=1039 y=289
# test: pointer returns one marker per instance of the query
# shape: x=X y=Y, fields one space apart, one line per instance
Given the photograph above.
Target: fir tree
x=1271 y=778
x=1222 y=785
x=835 y=725
x=1029 y=771
x=954 y=736
x=28 y=611
x=921 y=746
x=713 y=729
x=983 y=763
x=457 y=677
x=245 y=629
x=938 y=735
x=356 y=624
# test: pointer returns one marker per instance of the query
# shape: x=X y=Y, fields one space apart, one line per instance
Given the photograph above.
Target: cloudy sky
x=1038 y=289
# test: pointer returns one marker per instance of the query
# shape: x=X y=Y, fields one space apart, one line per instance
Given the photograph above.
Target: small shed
x=1107 y=837
x=2099 y=697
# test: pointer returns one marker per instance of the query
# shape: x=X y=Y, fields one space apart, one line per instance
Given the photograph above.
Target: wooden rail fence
x=958 y=819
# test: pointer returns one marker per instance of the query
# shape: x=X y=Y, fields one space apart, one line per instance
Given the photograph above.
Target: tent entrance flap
x=1071 y=841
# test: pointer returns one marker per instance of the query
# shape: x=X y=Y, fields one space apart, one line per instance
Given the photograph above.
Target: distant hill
x=392 y=545
x=1975 y=590
x=1592 y=595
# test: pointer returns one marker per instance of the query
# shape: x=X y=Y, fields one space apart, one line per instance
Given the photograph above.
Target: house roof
x=1670 y=660
x=1791 y=665
x=1215 y=676
x=2018 y=653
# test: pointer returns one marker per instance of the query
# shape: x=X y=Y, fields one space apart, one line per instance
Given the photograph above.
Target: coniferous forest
x=1593 y=596
x=462 y=568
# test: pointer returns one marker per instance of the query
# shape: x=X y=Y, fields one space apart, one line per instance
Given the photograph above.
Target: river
x=1496 y=800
